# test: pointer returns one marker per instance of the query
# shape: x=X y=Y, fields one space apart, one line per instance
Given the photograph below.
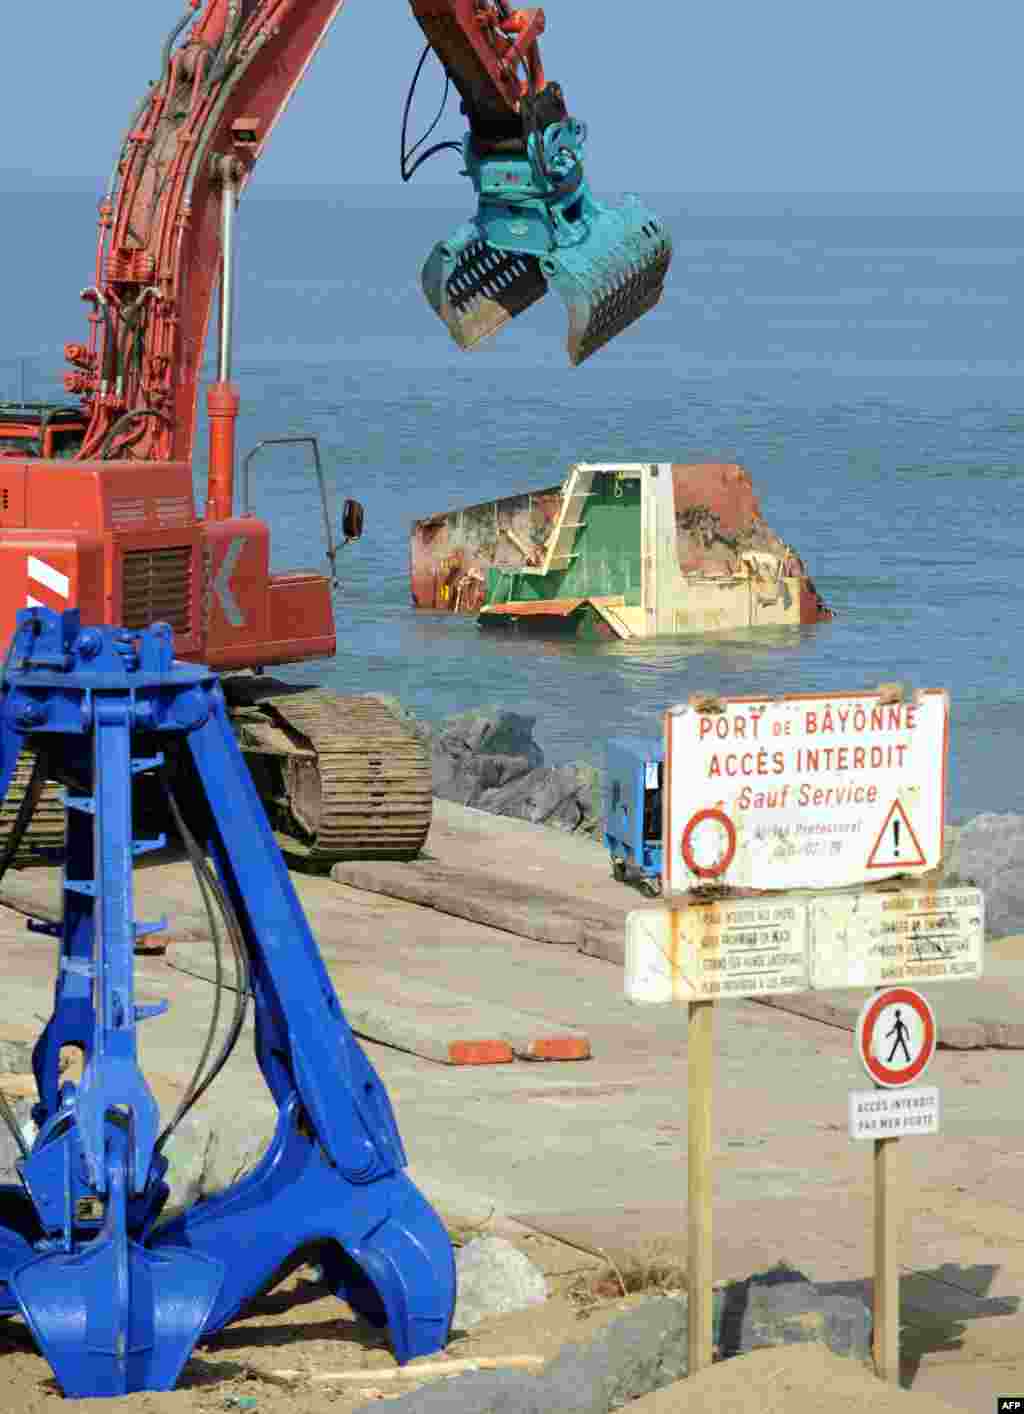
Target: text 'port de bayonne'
x=760 y=758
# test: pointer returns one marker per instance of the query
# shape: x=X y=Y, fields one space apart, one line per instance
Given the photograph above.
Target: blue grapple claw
x=115 y=1300
x=538 y=226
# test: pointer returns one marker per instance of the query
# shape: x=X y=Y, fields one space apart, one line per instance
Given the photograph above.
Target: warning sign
x=896 y=1036
x=897 y=846
x=819 y=792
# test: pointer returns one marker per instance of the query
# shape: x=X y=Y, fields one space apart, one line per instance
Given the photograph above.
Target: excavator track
x=340 y=777
x=46 y=828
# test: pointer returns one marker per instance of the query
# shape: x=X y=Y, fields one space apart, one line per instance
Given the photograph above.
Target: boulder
x=10 y=1151
x=643 y=1350
x=781 y=1307
x=989 y=853
x=15 y=1057
x=490 y=760
x=492 y=1278
x=646 y=1350
x=211 y=1150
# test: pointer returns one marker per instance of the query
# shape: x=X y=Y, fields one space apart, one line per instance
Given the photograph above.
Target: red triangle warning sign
x=896 y=846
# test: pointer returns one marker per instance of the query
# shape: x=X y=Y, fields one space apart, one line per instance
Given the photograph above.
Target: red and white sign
x=804 y=792
x=709 y=843
x=896 y=1037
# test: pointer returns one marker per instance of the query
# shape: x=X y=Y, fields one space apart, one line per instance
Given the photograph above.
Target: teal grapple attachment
x=537 y=225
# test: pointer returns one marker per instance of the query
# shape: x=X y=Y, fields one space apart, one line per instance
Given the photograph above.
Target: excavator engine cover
x=537 y=225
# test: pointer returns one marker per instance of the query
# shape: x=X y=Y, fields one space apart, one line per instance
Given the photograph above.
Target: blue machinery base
x=116 y=1303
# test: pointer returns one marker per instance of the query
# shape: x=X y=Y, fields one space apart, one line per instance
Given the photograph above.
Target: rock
x=15 y=1057
x=492 y=733
x=989 y=853
x=465 y=779
x=210 y=1151
x=551 y=795
x=643 y=1350
x=479 y=1392
x=781 y=1307
x=492 y=1278
x=237 y=1143
x=478 y=751
x=9 y=1149
x=646 y=1350
x=490 y=760
x=185 y=1152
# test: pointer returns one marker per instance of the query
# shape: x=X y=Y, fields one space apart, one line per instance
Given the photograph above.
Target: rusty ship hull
x=617 y=551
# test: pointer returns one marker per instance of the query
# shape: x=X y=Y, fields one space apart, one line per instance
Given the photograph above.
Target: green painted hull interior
x=606 y=552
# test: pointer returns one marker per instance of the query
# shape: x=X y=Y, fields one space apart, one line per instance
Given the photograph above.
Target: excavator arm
x=227 y=70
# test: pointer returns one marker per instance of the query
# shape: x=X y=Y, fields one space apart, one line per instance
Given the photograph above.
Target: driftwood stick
x=417 y=1372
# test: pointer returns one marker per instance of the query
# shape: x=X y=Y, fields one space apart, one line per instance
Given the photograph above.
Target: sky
x=745 y=96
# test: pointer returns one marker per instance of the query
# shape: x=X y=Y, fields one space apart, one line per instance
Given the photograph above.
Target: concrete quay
x=593 y=1152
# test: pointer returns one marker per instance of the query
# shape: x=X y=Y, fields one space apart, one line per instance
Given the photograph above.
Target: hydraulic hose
x=26 y=810
x=212 y=892
x=122 y=422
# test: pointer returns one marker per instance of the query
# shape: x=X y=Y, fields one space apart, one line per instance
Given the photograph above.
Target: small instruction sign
x=909 y=935
x=719 y=950
x=893 y=1114
x=804 y=792
x=804 y=943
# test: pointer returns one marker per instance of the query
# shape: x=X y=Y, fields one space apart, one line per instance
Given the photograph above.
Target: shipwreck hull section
x=625 y=551
x=451 y=555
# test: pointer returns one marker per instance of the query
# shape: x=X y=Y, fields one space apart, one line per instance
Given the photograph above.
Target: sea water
x=862 y=356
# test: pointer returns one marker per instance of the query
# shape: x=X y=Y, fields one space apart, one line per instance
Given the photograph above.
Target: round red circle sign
x=711 y=835
x=896 y=1036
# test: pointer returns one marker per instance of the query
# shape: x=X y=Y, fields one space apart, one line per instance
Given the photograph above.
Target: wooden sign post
x=900 y=1016
x=765 y=800
x=885 y=1337
x=699 y=1062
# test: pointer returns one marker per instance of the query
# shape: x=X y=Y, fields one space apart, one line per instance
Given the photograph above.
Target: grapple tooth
x=612 y=278
x=477 y=289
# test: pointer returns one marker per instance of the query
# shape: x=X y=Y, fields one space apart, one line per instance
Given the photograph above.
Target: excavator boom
x=227 y=71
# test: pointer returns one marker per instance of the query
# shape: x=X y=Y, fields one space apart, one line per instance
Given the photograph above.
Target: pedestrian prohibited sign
x=896 y=1036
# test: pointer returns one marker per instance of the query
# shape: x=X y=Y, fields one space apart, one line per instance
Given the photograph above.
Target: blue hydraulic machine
x=635 y=774
x=115 y=1302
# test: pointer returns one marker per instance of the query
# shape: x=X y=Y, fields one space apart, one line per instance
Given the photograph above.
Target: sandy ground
x=792 y=1380
x=301 y=1327
x=789 y=1183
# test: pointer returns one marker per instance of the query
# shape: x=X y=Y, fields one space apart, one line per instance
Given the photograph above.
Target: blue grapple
x=537 y=225
x=115 y=1298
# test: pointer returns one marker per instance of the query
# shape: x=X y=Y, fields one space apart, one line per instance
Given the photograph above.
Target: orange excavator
x=96 y=498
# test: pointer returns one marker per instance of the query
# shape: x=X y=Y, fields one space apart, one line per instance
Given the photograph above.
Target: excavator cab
x=53 y=431
x=537 y=227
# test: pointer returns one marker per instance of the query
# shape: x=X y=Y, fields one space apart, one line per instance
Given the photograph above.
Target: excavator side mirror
x=352 y=520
